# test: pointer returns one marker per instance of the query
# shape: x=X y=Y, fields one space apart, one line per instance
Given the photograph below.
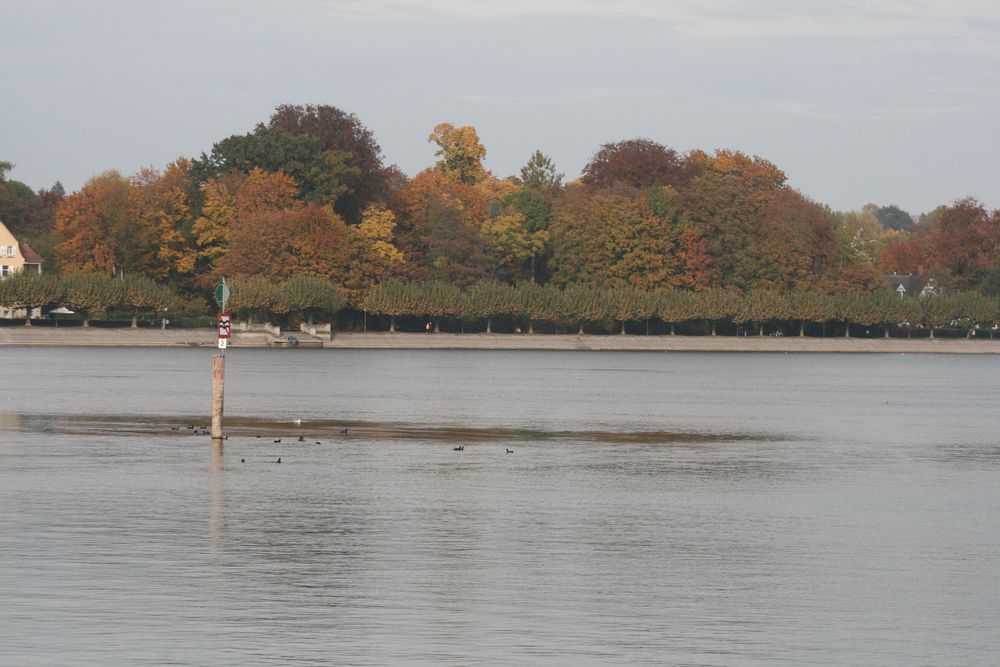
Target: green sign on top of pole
x=222 y=294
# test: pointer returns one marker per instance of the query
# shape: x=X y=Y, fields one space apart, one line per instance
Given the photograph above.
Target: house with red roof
x=16 y=256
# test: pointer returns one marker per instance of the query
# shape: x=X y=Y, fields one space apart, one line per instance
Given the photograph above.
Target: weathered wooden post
x=218 y=389
x=219 y=362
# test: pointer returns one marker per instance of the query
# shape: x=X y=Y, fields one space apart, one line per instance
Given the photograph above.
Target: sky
x=884 y=101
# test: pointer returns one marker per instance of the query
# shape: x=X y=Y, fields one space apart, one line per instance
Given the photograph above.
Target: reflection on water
x=688 y=509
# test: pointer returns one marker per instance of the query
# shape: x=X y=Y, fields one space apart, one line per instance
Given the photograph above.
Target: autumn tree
x=638 y=163
x=95 y=225
x=725 y=200
x=962 y=244
x=610 y=238
x=161 y=213
x=460 y=155
x=440 y=230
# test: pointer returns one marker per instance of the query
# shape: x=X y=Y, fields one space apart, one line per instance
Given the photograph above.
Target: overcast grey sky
x=886 y=101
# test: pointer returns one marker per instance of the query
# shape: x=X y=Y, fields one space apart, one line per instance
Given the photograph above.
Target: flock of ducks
x=203 y=430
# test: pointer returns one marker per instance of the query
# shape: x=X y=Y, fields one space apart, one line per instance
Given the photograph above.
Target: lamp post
x=366 y=320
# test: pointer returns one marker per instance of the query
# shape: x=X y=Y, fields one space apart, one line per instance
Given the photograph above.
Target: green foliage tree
x=91 y=293
x=311 y=296
x=893 y=217
x=253 y=297
x=675 y=307
x=439 y=299
x=492 y=298
x=392 y=298
x=938 y=310
x=717 y=304
x=809 y=306
x=583 y=304
x=628 y=304
x=31 y=290
x=358 y=165
x=976 y=310
x=141 y=294
x=536 y=302
x=321 y=174
x=766 y=307
x=540 y=173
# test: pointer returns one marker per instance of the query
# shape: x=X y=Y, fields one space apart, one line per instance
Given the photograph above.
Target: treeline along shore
x=307 y=223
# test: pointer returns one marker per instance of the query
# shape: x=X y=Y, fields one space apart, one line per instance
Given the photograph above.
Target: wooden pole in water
x=218 y=386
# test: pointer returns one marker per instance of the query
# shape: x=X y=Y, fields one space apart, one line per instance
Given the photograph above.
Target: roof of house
x=30 y=256
x=911 y=283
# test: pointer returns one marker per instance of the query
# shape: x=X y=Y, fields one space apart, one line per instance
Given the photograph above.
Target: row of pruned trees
x=761 y=309
x=87 y=294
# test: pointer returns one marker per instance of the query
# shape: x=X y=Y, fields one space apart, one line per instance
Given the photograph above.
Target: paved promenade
x=96 y=337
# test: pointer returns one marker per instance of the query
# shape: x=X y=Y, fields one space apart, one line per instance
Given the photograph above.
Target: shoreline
x=125 y=337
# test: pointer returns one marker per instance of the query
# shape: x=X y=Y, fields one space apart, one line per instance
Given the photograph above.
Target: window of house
x=4 y=271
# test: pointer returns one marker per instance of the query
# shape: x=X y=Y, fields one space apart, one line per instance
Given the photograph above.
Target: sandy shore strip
x=97 y=337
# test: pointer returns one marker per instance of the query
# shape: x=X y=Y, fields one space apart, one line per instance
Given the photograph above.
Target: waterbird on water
x=302 y=438
x=509 y=451
x=278 y=440
x=279 y=460
x=343 y=431
x=460 y=448
x=243 y=460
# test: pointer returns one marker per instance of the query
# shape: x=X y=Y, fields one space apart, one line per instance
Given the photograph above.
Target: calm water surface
x=703 y=509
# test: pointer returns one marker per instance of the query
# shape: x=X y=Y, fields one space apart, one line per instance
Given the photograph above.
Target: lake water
x=702 y=509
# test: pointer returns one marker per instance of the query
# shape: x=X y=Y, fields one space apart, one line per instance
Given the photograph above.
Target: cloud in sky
x=892 y=101
x=730 y=19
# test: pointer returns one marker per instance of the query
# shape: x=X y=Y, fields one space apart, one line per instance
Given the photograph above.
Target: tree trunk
x=713 y=328
x=531 y=327
x=27 y=319
x=847 y=329
x=761 y=330
x=86 y=323
x=887 y=331
x=932 y=332
x=135 y=321
x=489 y=325
x=580 y=332
x=392 y=324
x=623 y=328
x=802 y=328
x=672 y=332
x=437 y=326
